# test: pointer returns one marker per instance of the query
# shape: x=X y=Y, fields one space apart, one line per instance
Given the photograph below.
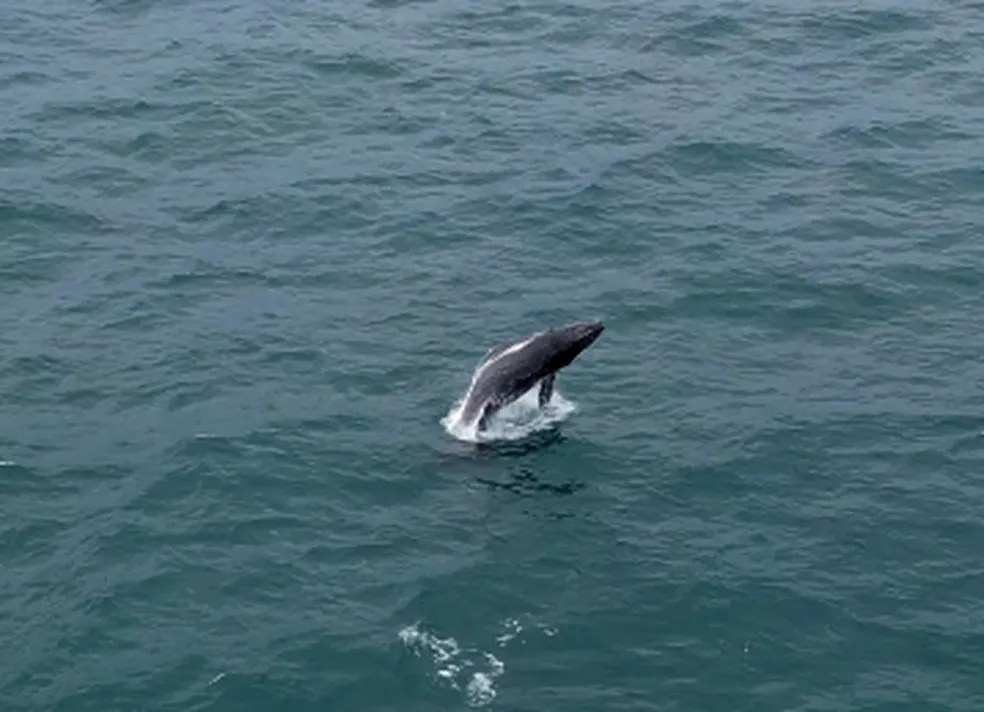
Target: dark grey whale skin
x=500 y=379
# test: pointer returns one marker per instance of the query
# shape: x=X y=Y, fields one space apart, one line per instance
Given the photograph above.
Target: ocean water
x=250 y=253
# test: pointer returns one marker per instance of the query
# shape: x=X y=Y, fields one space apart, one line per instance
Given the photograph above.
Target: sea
x=251 y=253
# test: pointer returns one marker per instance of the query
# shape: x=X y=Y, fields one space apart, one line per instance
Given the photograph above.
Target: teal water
x=251 y=252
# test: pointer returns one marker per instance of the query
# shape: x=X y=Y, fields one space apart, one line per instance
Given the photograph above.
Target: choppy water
x=251 y=253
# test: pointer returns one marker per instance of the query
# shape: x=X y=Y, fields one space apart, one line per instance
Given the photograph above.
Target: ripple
x=702 y=157
x=104 y=108
x=865 y=23
x=355 y=65
x=48 y=215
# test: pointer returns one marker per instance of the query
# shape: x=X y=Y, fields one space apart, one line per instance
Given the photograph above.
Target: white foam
x=515 y=421
x=7 y=463
x=442 y=649
x=481 y=691
x=513 y=628
x=450 y=661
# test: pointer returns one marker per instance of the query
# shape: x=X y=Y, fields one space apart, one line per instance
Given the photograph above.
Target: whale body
x=510 y=370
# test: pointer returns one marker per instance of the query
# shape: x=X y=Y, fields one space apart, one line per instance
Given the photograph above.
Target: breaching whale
x=510 y=370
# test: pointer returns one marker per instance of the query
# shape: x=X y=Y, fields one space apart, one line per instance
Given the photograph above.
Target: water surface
x=251 y=252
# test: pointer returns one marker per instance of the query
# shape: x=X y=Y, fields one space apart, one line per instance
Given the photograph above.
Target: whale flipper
x=546 y=389
x=487 y=413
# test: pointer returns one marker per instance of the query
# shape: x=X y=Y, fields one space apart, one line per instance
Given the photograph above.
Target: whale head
x=568 y=342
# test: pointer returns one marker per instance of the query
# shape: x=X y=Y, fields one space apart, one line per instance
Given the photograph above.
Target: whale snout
x=575 y=338
x=586 y=332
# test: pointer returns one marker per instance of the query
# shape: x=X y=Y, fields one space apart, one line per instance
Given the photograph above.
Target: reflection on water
x=539 y=440
x=525 y=483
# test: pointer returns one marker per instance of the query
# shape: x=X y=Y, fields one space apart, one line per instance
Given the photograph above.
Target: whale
x=510 y=370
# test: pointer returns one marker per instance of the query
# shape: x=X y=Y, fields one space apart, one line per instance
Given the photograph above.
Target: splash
x=515 y=421
x=471 y=671
x=451 y=664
